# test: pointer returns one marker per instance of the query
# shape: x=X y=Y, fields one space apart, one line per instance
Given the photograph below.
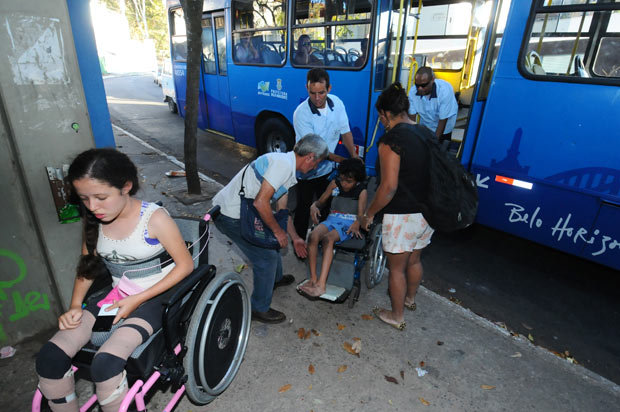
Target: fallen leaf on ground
x=310 y=387
x=314 y=331
x=455 y=300
x=307 y=335
x=342 y=368
x=301 y=332
x=422 y=364
x=487 y=387
x=439 y=343
x=311 y=369
x=391 y=379
x=402 y=375
x=340 y=327
x=367 y=317
x=239 y=268
x=285 y=388
x=356 y=339
x=530 y=337
x=390 y=401
x=516 y=355
x=424 y=401
x=349 y=348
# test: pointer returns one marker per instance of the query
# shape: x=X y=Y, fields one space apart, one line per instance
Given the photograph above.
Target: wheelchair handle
x=212 y=213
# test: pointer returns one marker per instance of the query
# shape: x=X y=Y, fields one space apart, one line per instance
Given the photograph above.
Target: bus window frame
x=538 y=7
x=411 y=14
x=234 y=31
x=369 y=52
x=173 y=29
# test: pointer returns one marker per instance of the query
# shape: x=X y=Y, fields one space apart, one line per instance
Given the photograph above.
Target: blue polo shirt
x=330 y=123
x=440 y=104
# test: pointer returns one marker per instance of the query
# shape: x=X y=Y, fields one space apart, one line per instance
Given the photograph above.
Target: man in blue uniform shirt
x=433 y=99
x=323 y=114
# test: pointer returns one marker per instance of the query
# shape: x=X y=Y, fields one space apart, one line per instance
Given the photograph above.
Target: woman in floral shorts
x=402 y=168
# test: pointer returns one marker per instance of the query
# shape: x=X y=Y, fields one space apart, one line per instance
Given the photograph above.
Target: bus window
x=331 y=33
x=607 y=63
x=442 y=35
x=579 y=43
x=220 y=35
x=259 y=32
x=179 y=38
x=208 y=48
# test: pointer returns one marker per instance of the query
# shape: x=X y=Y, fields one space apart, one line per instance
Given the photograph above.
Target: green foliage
x=156 y=20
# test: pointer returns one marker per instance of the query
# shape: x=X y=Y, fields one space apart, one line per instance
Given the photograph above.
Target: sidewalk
x=470 y=363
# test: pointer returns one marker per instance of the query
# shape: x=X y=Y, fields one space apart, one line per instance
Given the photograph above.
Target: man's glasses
x=306 y=43
x=422 y=85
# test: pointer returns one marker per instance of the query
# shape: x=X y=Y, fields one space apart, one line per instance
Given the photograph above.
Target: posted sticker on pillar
x=67 y=212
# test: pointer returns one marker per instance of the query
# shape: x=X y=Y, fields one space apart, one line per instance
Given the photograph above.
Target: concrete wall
x=44 y=123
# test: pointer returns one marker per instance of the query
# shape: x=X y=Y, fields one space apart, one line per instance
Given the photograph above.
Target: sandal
x=400 y=326
x=411 y=306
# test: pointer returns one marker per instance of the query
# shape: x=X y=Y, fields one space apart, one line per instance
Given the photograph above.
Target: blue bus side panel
x=558 y=136
x=603 y=243
x=180 y=84
x=255 y=89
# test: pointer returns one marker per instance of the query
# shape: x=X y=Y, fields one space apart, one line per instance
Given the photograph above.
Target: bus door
x=215 y=93
x=541 y=136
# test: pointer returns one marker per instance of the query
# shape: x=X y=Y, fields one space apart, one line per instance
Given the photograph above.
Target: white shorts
x=405 y=233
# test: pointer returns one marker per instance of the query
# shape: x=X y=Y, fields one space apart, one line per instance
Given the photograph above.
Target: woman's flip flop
x=400 y=326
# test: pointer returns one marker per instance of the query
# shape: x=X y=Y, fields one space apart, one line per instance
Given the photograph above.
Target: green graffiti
x=22 y=271
x=23 y=306
x=29 y=304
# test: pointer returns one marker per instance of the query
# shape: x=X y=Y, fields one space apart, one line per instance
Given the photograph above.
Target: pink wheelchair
x=203 y=339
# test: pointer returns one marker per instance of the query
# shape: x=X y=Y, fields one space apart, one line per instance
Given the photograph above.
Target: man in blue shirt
x=433 y=99
x=325 y=115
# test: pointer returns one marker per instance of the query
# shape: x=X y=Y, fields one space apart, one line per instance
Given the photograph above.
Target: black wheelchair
x=368 y=261
x=203 y=338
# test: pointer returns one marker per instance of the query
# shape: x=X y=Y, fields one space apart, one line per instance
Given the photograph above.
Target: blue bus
x=537 y=85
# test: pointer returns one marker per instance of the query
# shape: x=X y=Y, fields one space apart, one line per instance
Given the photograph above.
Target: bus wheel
x=172 y=106
x=275 y=136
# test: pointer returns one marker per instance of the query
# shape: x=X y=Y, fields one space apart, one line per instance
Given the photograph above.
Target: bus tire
x=275 y=136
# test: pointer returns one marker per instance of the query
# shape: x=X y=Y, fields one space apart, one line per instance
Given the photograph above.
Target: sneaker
x=271 y=316
x=285 y=281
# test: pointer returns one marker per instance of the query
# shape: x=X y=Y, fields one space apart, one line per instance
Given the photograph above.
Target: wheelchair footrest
x=332 y=293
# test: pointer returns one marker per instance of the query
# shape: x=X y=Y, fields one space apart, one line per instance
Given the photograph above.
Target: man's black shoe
x=271 y=316
x=285 y=281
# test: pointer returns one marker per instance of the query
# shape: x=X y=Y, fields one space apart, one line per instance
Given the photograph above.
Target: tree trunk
x=192 y=10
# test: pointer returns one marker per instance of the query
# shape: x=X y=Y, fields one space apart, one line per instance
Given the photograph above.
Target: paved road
x=564 y=303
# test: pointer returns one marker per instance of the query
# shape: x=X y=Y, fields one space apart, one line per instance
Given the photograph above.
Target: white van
x=167 y=86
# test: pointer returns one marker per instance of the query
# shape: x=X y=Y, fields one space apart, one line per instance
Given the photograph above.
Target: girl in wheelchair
x=348 y=194
x=117 y=228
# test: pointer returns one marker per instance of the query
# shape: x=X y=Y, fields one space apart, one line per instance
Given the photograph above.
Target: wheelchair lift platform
x=340 y=281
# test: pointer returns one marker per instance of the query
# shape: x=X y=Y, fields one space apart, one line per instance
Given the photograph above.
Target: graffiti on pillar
x=16 y=305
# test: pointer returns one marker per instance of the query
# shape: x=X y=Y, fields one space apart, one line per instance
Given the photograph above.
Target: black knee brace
x=52 y=362
x=106 y=366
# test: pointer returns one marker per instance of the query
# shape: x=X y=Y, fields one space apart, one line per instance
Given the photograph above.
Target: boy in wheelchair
x=348 y=201
x=117 y=228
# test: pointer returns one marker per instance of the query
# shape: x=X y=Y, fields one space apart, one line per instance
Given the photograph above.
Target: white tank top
x=137 y=246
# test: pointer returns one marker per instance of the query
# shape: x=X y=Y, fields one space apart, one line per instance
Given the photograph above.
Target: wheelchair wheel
x=217 y=337
x=373 y=273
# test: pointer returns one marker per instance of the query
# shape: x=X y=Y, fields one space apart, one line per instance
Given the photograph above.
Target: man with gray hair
x=269 y=178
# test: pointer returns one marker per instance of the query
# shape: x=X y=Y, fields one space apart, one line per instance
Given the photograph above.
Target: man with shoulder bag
x=247 y=216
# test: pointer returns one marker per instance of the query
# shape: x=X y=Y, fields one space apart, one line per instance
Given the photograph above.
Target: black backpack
x=452 y=197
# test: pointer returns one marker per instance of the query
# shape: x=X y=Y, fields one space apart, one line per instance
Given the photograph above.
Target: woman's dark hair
x=109 y=166
x=393 y=100
x=353 y=168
